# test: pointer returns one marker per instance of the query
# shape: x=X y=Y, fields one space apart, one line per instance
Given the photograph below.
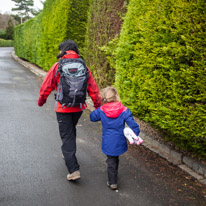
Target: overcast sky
x=7 y=5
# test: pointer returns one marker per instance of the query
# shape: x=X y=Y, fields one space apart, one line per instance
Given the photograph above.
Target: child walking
x=113 y=116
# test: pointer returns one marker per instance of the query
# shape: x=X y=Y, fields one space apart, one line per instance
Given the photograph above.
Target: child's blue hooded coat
x=113 y=116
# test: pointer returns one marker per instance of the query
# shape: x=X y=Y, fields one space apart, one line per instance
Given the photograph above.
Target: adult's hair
x=67 y=45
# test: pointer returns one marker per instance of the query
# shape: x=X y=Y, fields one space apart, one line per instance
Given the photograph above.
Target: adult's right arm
x=93 y=91
x=48 y=85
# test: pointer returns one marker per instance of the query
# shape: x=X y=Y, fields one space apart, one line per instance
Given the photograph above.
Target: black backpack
x=73 y=83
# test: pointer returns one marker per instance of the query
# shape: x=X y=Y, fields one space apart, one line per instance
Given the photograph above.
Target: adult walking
x=68 y=115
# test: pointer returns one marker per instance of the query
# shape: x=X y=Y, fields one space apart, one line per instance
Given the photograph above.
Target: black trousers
x=67 y=129
x=112 y=168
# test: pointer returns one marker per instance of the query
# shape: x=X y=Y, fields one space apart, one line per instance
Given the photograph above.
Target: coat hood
x=70 y=54
x=113 y=109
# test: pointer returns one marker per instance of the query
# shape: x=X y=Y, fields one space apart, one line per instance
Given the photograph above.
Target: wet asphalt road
x=32 y=172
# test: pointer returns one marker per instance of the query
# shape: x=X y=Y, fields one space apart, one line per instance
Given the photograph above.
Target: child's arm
x=131 y=123
x=95 y=115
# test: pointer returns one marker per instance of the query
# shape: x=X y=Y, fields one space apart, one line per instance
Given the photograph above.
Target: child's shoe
x=74 y=176
x=112 y=186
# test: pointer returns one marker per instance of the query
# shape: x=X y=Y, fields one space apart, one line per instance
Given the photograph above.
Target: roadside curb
x=35 y=69
x=193 y=167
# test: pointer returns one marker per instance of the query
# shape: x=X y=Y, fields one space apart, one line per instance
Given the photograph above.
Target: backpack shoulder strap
x=59 y=67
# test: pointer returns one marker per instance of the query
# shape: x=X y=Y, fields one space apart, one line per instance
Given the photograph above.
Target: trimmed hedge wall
x=27 y=38
x=37 y=40
x=161 y=68
x=104 y=25
x=6 y=43
x=53 y=30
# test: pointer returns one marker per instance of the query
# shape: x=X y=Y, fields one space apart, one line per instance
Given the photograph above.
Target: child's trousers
x=112 y=168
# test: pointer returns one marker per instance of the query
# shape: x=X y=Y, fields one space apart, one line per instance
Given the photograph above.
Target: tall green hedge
x=27 y=38
x=37 y=40
x=161 y=68
x=6 y=43
x=53 y=30
x=104 y=24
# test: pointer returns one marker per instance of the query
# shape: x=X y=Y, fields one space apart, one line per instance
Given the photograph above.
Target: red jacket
x=51 y=82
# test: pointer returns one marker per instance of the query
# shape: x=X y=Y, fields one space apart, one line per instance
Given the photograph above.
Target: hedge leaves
x=160 y=68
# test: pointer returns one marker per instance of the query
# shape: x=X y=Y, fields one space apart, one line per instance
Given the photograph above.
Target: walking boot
x=74 y=176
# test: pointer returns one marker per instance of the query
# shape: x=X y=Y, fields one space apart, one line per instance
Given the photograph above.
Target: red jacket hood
x=113 y=109
x=70 y=54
